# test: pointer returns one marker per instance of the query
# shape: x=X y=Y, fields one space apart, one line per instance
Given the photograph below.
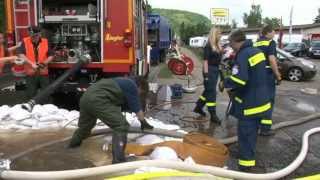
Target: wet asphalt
x=273 y=153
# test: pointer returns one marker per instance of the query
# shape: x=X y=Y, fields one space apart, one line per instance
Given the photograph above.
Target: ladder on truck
x=22 y=18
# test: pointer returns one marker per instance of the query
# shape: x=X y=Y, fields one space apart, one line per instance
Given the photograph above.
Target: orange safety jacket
x=43 y=48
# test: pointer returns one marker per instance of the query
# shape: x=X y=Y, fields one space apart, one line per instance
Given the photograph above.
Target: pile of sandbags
x=201 y=148
x=50 y=116
x=42 y=116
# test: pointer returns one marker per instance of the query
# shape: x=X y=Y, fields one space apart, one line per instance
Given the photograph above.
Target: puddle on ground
x=306 y=107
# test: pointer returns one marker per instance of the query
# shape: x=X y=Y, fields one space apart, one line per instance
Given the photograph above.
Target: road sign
x=219 y=16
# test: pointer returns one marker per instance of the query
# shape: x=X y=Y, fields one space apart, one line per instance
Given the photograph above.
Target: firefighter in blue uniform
x=250 y=98
x=212 y=58
x=106 y=100
x=269 y=48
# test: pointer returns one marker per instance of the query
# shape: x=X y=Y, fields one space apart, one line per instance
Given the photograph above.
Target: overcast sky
x=304 y=11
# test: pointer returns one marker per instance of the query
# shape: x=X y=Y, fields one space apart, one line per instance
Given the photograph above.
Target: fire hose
x=113 y=169
x=56 y=84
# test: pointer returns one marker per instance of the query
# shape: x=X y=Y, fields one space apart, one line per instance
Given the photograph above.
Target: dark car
x=314 y=50
x=295 y=69
x=297 y=49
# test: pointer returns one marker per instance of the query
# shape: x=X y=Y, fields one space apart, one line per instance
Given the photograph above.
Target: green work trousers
x=36 y=83
x=106 y=108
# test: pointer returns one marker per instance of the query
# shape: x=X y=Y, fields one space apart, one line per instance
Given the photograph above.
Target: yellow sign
x=219 y=16
x=110 y=37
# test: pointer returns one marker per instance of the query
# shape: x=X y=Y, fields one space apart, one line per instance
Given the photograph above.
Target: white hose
x=118 y=168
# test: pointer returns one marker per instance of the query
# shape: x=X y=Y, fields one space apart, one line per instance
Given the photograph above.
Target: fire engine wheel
x=179 y=68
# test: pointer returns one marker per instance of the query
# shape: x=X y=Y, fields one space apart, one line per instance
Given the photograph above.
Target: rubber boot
x=245 y=169
x=214 y=118
x=119 y=142
x=75 y=141
x=199 y=108
x=266 y=132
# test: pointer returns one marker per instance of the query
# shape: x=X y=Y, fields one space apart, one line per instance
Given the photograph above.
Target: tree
x=274 y=22
x=317 y=19
x=254 y=18
x=234 y=24
x=149 y=8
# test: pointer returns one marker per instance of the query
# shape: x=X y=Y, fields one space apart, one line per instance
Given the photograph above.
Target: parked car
x=295 y=69
x=314 y=50
x=297 y=49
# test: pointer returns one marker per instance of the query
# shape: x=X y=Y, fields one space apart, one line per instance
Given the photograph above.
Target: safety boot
x=199 y=108
x=119 y=142
x=75 y=141
x=214 y=118
x=264 y=132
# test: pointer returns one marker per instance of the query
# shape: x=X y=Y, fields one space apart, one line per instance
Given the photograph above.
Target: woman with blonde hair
x=212 y=58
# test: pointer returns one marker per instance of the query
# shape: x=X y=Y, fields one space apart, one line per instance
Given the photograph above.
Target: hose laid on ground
x=160 y=132
x=125 y=167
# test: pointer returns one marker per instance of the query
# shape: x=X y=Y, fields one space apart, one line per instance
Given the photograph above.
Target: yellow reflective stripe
x=202 y=98
x=211 y=104
x=314 y=177
x=266 y=121
x=247 y=163
x=257 y=110
x=262 y=43
x=238 y=99
x=237 y=80
x=256 y=59
x=149 y=175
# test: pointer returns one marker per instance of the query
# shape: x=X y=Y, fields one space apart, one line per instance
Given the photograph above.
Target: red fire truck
x=112 y=32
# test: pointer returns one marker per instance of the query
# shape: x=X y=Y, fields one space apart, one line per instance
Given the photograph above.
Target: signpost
x=219 y=16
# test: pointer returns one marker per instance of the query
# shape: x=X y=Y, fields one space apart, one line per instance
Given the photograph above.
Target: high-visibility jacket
x=268 y=47
x=249 y=83
x=43 y=48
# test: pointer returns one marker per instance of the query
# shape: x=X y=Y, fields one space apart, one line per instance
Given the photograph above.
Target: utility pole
x=290 y=30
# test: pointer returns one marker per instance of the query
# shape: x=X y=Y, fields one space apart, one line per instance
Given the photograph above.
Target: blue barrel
x=177 y=91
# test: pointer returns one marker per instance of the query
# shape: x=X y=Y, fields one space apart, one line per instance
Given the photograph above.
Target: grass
x=164 y=72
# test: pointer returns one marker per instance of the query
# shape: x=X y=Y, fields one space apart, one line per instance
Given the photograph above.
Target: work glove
x=205 y=79
x=205 y=76
x=221 y=86
x=145 y=125
x=42 y=66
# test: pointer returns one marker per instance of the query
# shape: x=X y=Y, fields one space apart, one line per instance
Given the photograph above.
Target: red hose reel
x=183 y=66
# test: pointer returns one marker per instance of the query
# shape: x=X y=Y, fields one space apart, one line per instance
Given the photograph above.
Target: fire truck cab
x=112 y=32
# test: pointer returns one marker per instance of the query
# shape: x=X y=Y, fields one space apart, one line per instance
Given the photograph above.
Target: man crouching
x=106 y=100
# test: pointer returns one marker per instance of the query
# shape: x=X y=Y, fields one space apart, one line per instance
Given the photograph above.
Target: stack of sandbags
x=202 y=148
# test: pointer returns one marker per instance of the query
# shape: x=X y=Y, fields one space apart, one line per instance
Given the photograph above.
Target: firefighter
x=37 y=55
x=269 y=48
x=212 y=58
x=105 y=100
x=5 y=52
x=247 y=87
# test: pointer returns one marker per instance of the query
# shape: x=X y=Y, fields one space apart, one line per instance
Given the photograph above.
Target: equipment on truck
x=112 y=32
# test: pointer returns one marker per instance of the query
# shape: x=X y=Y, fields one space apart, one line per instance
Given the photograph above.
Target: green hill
x=190 y=19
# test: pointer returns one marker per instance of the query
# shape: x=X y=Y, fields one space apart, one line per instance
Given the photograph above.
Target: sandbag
x=203 y=149
x=164 y=153
x=149 y=139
